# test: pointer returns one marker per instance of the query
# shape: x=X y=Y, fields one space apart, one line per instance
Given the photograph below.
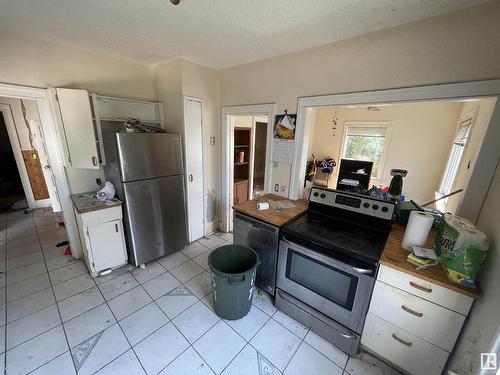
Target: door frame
x=46 y=107
x=10 y=124
x=186 y=174
x=269 y=110
x=488 y=155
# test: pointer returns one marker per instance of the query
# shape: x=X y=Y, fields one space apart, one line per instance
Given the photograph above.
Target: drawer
x=102 y=216
x=426 y=290
x=400 y=347
x=424 y=319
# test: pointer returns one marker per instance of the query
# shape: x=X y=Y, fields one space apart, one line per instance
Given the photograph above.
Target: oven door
x=338 y=290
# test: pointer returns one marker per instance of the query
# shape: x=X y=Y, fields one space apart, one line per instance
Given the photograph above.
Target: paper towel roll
x=417 y=230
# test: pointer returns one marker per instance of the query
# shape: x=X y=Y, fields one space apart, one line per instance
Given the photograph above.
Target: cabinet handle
x=94 y=160
x=408 y=344
x=413 y=312
x=116 y=228
x=190 y=178
x=420 y=287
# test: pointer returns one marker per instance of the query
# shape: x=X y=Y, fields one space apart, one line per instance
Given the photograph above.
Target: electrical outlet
x=212 y=141
x=276 y=187
x=283 y=188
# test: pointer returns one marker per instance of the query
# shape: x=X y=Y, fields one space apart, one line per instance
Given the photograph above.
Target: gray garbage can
x=233 y=276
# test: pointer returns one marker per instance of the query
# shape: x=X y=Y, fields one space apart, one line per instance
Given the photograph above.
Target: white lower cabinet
x=103 y=242
x=413 y=323
x=425 y=319
x=402 y=348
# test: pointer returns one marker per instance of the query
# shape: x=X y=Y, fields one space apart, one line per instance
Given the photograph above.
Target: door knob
x=46 y=167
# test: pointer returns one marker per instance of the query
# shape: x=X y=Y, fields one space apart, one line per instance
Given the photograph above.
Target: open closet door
x=193 y=138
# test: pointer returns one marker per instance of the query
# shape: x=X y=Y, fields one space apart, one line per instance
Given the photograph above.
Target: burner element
x=311 y=229
x=348 y=241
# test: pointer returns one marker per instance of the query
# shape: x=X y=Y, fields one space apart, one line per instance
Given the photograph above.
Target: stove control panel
x=353 y=202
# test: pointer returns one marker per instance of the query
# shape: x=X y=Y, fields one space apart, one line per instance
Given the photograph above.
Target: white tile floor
x=56 y=319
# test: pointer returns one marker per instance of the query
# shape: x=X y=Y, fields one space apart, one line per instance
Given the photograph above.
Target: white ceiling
x=216 y=33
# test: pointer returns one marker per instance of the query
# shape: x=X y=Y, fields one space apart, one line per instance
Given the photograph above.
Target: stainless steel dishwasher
x=264 y=239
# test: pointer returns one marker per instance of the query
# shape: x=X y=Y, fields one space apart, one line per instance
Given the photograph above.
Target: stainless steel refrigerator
x=147 y=172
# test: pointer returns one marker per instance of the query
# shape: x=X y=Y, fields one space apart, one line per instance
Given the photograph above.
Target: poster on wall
x=284 y=126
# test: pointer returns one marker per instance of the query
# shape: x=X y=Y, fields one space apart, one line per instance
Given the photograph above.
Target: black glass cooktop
x=348 y=238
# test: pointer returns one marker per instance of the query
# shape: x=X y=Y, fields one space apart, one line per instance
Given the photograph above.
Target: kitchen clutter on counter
x=460 y=247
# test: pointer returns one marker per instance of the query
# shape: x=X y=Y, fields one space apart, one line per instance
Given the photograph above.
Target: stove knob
x=323 y=196
x=375 y=206
x=366 y=205
x=385 y=209
x=316 y=194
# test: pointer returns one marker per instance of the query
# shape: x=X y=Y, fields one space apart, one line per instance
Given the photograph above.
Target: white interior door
x=39 y=143
x=193 y=140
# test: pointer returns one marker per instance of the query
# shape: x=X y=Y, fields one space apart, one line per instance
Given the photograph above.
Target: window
x=367 y=142
x=457 y=150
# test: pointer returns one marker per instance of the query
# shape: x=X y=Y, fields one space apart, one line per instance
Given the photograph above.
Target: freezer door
x=155 y=218
x=149 y=155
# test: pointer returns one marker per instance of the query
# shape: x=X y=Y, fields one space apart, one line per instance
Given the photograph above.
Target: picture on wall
x=284 y=127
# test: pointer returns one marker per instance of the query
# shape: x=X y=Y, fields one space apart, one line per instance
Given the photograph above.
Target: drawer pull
x=406 y=343
x=413 y=312
x=420 y=287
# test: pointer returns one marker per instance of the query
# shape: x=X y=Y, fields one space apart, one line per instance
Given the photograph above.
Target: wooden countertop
x=270 y=215
x=394 y=256
x=87 y=202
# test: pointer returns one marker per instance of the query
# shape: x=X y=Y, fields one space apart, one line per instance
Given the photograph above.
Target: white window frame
x=367 y=124
x=448 y=178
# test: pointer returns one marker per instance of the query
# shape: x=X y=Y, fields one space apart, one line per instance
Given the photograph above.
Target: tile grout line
x=59 y=312
x=6 y=292
x=172 y=321
x=117 y=322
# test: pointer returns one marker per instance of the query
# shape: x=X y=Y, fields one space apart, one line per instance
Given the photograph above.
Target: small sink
x=87 y=196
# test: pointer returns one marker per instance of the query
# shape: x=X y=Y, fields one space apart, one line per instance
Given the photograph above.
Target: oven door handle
x=364 y=271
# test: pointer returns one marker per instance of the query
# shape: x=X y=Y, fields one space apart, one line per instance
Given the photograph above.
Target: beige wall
x=460 y=46
x=179 y=77
x=419 y=141
x=29 y=61
x=479 y=330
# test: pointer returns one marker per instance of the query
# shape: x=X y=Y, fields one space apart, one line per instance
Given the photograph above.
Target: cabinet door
x=107 y=245
x=78 y=127
x=240 y=192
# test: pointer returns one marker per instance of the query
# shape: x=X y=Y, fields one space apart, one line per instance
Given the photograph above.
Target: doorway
x=11 y=187
x=193 y=144
x=24 y=133
x=474 y=168
x=247 y=148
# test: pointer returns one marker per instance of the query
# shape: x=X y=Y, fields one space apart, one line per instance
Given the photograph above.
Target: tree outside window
x=366 y=142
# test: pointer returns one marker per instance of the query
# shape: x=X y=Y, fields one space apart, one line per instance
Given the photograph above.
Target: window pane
x=365 y=148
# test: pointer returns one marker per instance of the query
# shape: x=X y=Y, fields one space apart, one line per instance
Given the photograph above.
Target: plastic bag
x=107 y=192
x=462 y=248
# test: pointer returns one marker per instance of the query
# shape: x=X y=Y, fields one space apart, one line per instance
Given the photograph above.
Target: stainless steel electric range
x=328 y=261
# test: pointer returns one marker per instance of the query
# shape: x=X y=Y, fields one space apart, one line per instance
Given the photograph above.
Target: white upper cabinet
x=118 y=109
x=79 y=136
x=82 y=117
